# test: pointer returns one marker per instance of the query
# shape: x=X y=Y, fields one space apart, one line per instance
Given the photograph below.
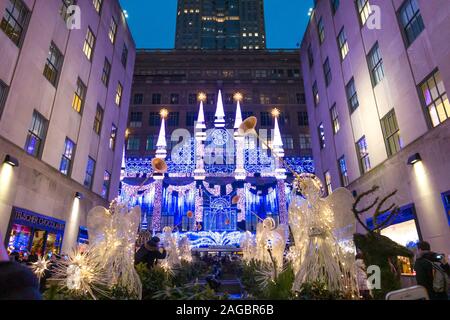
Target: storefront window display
x=34 y=233
x=446 y=200
x=405 y=231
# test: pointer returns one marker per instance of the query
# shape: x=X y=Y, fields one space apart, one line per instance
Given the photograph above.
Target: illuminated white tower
x=200 y=138
x=277 y=145
x=239 y=173
x=161 y=145
x=220 y=113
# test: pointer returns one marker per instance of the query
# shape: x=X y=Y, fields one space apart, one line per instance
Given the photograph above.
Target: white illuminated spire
x=162 y=135
x=161 y=145
x=238 y=120
x=201 y=118
x=277 y=142
x=220 y=113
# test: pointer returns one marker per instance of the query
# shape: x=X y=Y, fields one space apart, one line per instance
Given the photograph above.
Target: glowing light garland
x=157 y=206
x=282 y=202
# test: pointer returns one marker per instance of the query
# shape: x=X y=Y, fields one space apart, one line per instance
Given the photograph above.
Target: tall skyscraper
x=220 y=24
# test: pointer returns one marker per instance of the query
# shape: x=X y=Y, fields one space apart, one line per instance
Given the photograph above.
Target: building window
x=247 y=114
x=375 y=65
x=264 y=99
x=343 y=172
x=119 y=92
x=328 y=182
x=288 y=142
x=335 y=119
x=363 y=155
x=315 y=91
x=154 y=119
x=79 y=96
x=321 y=29
x=327 y=72
x=138 y=98
x=106 y=72
x=89 y=44
x=106 y=184
x=266 y=119
x=97 y=5
x=334 y=5
x=90 y=170
x=303 y=119
x=136 y=120
x=64 y=11
x=133 y=143
x=98 y=119
x=174 y=98
x=411 y=20
x=151 y=143
x=436 y=99
x=36 y=135
x=191 y=117
x=363 y=10
x=3 y=94
x=53 y=64
x=14 y=20
x=305 y=142
x=261 y=73
x=192 y=98
x=124 y=55
x=67 y=157
x=300 y=98
x=352 y=96
x=173 y=119
x=156 y=98
x=343 y=44
x=282 y=98
x=210 y=98
x=112 y=30
x=310 y=56
x=321 y=131
x=113 y=137
x=391 y=133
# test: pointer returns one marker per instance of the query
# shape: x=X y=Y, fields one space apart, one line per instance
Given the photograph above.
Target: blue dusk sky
x=152 y=22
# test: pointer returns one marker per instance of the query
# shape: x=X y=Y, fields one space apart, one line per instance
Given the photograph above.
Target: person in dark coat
x=424 y=269
x=17 y=282
x=150 y=253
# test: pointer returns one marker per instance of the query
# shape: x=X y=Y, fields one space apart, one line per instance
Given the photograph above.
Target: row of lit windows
x=433 y=95
x=228 y=99
x=408 y=15
x=35 y=143
x=16 y=16
x=134 y=142
x=228 y=73
x=266 y=119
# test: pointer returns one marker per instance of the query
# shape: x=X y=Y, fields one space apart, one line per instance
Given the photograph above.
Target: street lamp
x=415 y=158
x=13 y=162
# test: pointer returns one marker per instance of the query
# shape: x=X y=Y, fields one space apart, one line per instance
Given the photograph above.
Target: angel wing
x=340 y=202
x=98 y=219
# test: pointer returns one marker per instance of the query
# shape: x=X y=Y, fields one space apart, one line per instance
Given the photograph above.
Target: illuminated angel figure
x=323 y=229
x=270 y=243
x=184 y=247
x=112 y=235
x=248 y=245
x=169 y=241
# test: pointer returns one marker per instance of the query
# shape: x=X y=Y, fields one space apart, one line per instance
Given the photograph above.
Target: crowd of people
x=18 y=282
